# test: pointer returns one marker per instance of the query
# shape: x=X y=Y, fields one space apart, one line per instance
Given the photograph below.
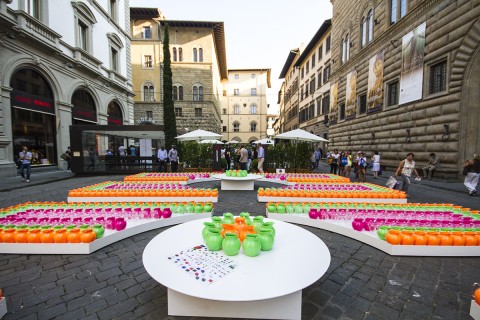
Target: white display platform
x=475 y=310
x=371 y=238
x=3 y=307
x=141 y=199
x=268 y=286
x=237 y=183
x=133 y=227
x=304 y=199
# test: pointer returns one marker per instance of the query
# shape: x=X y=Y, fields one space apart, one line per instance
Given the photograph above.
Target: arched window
x=194 y=54
x=367 y=28
x=345 y=48
x=148 y=92
x=364 y=31
x=370 y=25
x=115 y=115
x=236 y=126
x=180 y=93
x=200 y=55
x=84 y=109
x=195 y=94
x=236 y=109
x=253 y=126
x=180 y=54
x=174 y=54
x=200 y=93
x=175 y=93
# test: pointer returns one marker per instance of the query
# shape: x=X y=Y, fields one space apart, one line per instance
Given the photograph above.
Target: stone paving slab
x=111 y=283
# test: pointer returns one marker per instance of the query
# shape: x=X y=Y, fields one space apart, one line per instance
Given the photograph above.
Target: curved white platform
x=133 y=227
x=141 y=199
x=268 y=286
x=371 y=238
x=237 y=183
x=303 y=199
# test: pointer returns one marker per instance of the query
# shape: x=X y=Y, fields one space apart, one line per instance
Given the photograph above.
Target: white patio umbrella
x=211 y=141
x=264 y=141
x=232 y=142
x=199 y=135
x=299 y=135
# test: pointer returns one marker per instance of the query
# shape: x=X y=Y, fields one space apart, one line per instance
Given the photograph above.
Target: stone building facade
x=62 y=63
x=435 y=110
x=245 y=110
x=198 y=65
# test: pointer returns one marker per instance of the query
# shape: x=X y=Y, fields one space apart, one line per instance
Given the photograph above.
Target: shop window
x=84 y=110
x=115 y=114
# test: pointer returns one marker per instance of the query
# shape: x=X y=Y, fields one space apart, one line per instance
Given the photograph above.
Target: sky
x=258 y=33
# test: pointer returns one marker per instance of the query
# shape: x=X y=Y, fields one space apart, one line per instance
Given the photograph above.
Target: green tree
x=169 y=120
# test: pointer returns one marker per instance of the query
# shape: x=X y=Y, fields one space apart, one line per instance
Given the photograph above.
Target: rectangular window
x=326 y=74
x=147 y=33
x=253 y=91
x=224 y=129
x=392 y=94
x=237 y=76
x=327 y=44
x=150 y=114
x=438 y=77
x=302 y=72
x=313 y=60
x=311 y=111
x=224 y=110
x=83 y=35
x=326 y=104
x=113 y=10
x=253 y=76
x=393 y=12
x=312 y=85
x=319 y=106
x=198 y=112
x=320 y=53
x=147 y=61
x=236 y=92
x=308 y=67
x=362 y=102
x=178 y=112
x=342 y=111
x=319 y=78
x=114 y=59
x=33 y=8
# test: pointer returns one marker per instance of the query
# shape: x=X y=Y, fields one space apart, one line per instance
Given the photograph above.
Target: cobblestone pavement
x=111 y=283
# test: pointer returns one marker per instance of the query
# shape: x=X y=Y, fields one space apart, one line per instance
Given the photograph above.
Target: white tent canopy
x=300 y=135
x=211 y=141
x=199 y=135
x=264 y=141
x=232 y=142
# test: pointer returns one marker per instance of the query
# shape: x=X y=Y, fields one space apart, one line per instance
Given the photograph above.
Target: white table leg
x=284 y=307
x=237 y=185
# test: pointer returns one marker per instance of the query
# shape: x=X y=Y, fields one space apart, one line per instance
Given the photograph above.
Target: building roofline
x=269 y=72
x=288 y=63
x=320 y=33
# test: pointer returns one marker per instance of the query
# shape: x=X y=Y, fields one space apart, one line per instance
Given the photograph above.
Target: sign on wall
x=375 y=83
x=351 y=95
x=411 y=79
x=333 y=116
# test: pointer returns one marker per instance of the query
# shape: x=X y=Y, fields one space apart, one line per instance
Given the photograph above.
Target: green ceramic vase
x=99 y=230
x=228 y=218
x=266 y=239
x=257 y=223
x=213 y=239
x=269 y=225
x=207 y=225
x=231 y=244
x=251 y=245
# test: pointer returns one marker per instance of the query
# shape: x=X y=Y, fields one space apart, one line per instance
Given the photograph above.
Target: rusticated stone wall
x=452 y=34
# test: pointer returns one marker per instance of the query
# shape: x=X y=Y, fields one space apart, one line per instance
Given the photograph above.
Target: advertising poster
x=411 y=78
x=375 y=83
x=333 y=116
x=351 y=95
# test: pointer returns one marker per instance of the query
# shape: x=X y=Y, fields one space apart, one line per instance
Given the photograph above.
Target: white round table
x=268 y=286
x=237 y=183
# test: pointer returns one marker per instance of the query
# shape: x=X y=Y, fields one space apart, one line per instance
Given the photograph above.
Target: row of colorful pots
x=393 y=194
x=62 y=235
x=181 y=192
x=432 y=238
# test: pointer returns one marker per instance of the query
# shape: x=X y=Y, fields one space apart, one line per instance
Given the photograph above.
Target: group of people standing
x=343 y=162
x=242 y=157
x=164 y=157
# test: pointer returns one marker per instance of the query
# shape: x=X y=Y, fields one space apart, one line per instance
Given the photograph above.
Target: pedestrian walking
x=67 y=156
x=318 y=156
x=333 y=160
x=25 y=158
x=228 y=157
x=348 y=167
x=342 y=163
x=313 y=160
x=362 y=167
x=404 y=170
x=243 y=158
x=471 y=170
x=261 y=157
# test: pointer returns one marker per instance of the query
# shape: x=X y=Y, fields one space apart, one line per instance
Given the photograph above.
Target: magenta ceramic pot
x=167 y=213
x=120 y=224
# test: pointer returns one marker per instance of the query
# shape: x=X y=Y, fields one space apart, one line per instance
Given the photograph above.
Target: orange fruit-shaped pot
x=433 y=239
x=445 y=239
x=420 y=238
x=88 y=235
x=8 y=236
x=246 y=230
x=228 y=228
x=73 y=236
x=393 y=237
x=21 y=236
x=470 y=239
x=407 y=238
x=476 y=295
x=458 y=239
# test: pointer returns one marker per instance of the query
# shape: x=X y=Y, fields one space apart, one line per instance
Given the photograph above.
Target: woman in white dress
x=376 y=164
x=405 y=170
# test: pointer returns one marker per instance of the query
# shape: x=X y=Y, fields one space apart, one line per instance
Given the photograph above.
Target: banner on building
x=333 y=116
x=351 y=95
x=411 y=79
x=375 y=83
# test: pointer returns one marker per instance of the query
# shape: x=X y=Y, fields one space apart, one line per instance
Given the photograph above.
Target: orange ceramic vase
x=21 y=236
x=433 y=239
x=445 y=239
x=46 y=236
x=458 y=239
x=34 y=236
x=228 y=228
x=88 y=235
x=60 y=236
x=246 y=230
x=8 y=236
x=407 y=238
x=73 y=236
x=393 y=237
x=420 y=238
x=470 y=239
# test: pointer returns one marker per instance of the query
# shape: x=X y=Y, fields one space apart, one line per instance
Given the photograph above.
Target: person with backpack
x=343 y=163
x=362 y=167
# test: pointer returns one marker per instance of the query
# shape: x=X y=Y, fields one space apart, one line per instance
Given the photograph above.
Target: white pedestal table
x=268 y=286
x=237 y=183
